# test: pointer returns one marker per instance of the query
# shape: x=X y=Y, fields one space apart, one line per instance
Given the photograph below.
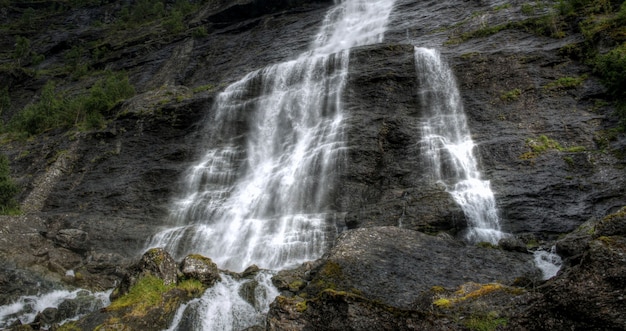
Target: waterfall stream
x=260 y=193
x=447 y=147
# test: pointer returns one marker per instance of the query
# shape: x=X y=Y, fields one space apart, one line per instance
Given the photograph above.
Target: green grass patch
x=193 y=287
x=501 y=7
x=485 y=323
x=202 y=88
x=543 y=144
x=566 y=83
x=511 y=95
x=148 y=292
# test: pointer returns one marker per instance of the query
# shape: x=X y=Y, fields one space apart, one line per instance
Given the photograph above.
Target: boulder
x=388 y=278
x=200 y=268
x=513 y=244
x=380 y=263
x=155 y=262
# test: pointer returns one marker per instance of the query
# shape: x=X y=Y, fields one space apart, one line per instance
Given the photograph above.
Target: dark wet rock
x=513 y=244
x=250 y=271
x=379 y=263
x=589 y=295
x=200 y=268
x=246 y=291
x=47 y=316
x=73 y=239
x=573 y=245
x=368 y=280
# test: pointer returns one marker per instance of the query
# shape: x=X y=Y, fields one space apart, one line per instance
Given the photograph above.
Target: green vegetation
x=69 y=326
x=56 y=109
x=471 y=291
x=8 y=189
x=511 y=95
x=527 y=9
x=202 y=88
x=5 y=99
x=485 y=323
x=501 y=7
x=171 y=14
x=193 y=287
x=566 y=83
x=148 y=292
x=485 y=244
x=543 y=144
x=199 y=32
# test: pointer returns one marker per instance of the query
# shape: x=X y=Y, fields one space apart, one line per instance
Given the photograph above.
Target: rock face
x=384 y=183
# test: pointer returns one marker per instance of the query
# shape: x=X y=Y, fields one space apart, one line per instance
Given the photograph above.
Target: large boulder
x=389 y=278
x=155 y=262
x=201 y=268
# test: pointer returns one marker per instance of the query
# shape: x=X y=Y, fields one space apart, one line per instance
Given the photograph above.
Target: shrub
x=8 y=189
x=22 y=49
x=511 y=95
x=55 y=110
x=199 y=32
x=5 y=99
x=611 y=68
x=528 y=9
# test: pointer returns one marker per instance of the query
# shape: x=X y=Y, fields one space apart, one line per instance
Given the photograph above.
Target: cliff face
x=543 y=123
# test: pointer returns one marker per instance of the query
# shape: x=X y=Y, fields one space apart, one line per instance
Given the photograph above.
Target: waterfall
x=260 y=193
x=447 y=147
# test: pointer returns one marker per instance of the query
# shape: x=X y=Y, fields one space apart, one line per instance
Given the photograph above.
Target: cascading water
x=548 y=262
x=447 y=146
x=26 y=308
x=259 y=194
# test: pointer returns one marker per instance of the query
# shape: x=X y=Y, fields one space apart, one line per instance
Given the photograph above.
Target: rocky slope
x=90 y=199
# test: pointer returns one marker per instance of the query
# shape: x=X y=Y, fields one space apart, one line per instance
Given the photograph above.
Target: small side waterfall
x=259 y=195
x=447 y=147
x=548 y=262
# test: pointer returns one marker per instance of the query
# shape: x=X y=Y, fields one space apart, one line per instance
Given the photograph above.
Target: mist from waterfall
x=446 y=145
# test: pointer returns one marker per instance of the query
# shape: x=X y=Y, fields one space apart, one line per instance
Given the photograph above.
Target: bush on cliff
x=8 y=189
x=58 y=110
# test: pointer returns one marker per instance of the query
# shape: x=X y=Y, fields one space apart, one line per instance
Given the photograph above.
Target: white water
x=447 y=146
x=26 y=308
x=548 y=262
x=223 y=308
x=259 y=195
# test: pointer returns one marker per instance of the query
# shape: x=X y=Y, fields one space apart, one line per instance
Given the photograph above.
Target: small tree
x=22 y=49
x=8 y=189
